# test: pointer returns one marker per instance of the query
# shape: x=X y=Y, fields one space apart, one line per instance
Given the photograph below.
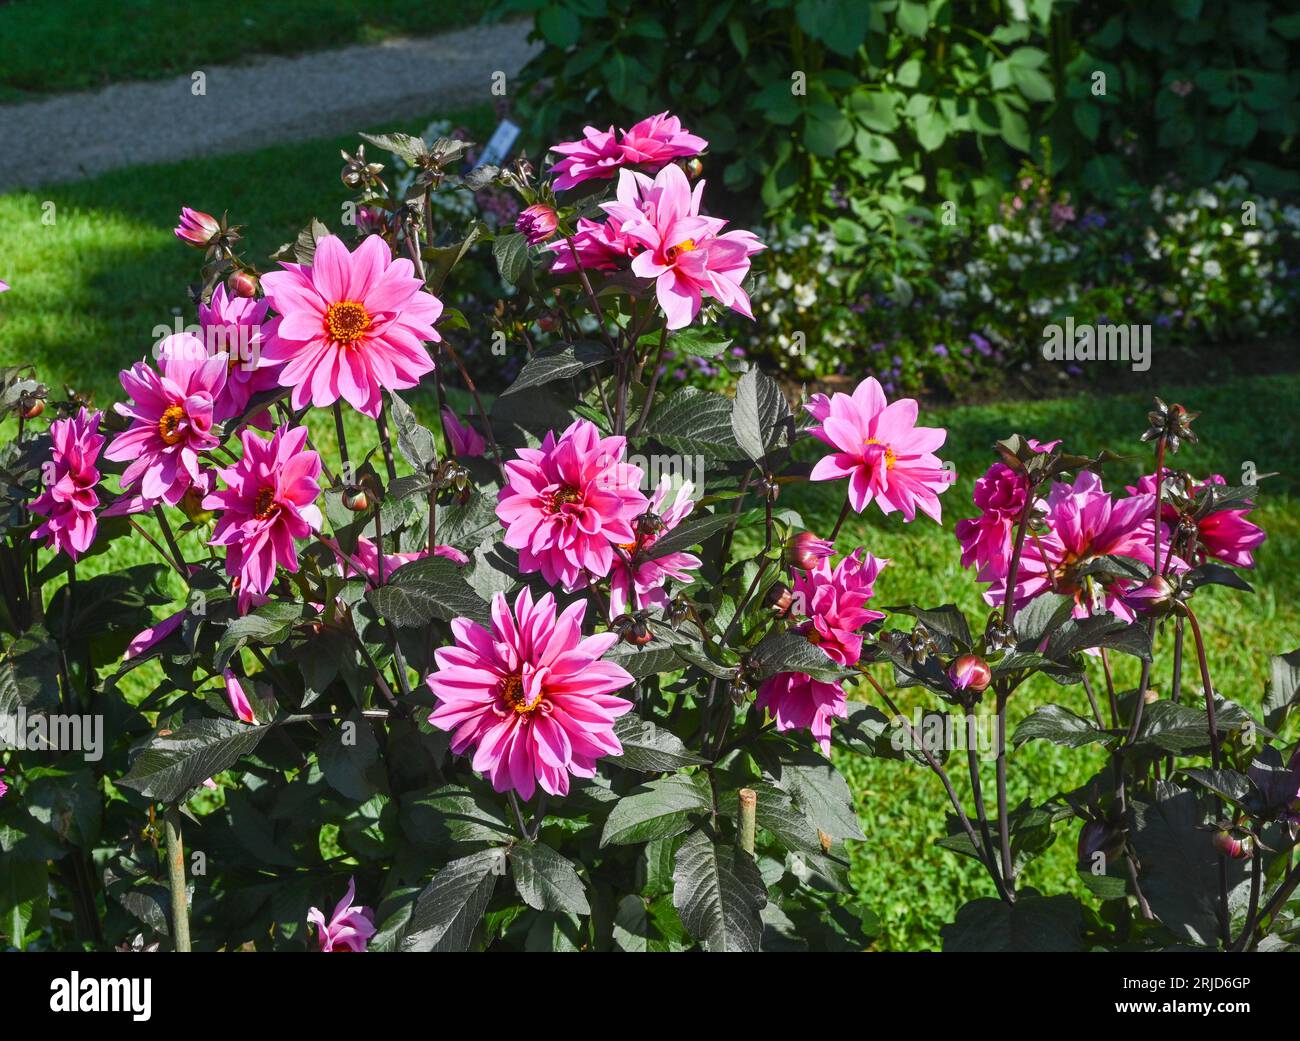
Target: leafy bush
x=523 y=647
x=908 y=102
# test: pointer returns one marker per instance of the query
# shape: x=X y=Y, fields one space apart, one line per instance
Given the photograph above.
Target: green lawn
x=89 y=288
x=56 y=45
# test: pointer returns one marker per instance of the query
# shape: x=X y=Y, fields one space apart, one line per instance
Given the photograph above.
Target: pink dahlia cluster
x=568 y=503
x=878 y=447
x=68 y=499
x=656 y=225
x=601 y=154
x=532 y=697
x=269 y=500
x=349 y=325
x=832 y=598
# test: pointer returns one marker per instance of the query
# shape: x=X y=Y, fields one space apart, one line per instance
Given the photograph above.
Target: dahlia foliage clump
x=560 y=669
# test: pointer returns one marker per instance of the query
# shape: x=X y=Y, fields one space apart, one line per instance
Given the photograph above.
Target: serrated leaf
x=425 y=589
x=559 y=362
x=449 y=909
x=657 y=810
x=650 y=748
x=546 y=880
x=174 y=763
x=719 y=894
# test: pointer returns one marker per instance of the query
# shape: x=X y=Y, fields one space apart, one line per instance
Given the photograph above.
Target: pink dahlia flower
x=196 y=227
x=1002 y=495
x=465 y=441
x=146 y=639
x=566 y=504
x=834 y=598
x=687 y=255
x=239 y=703
x=269 y=500
x=536 y=223
x=880 y=449
x=532 y=697
x=600 y=246
x=232 y=325
x=350 y=927
x=1084 y=522
x=799 y=702
x=171 y=418
x=1224 y=535
x=807 y=550
x=649 y=576
x=4 y=788
x=600 y=154
x=350 y=325
x=4 y=286
x=69 y=499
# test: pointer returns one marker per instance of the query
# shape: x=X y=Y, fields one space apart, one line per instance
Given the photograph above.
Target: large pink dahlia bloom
x=887 y=458
x=834 y=599
x=600 y=154
x=269 y=500
x=171 y=418
x=531 y=697
x=566 y=504
x=69 y=499
x=350 y=325
x=687 y=255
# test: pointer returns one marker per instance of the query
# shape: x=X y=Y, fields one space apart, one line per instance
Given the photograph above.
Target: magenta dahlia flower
x=806 y=550
x=796 y=701
x=1083 y=522
x=833 y=597
x=566 y=504
x=1224 y=535
x=171 y=418
x=269 y=500
x=600 y=154
x=1002 y=495
x=350 y=926
x=648 y=577
x=69 y=498
x=687 y=255
x=4 y=788
x=887 y=458
x=350 y=325
x=232 y=325
x=532 y=697
x=600 y=246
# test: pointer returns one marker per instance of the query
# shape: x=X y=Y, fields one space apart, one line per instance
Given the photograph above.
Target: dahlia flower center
x=564 y=496
x=169 y=424
x=346 y=321
x=685 y=246
x=891 y=457
x=515 y=697
x=265 y=507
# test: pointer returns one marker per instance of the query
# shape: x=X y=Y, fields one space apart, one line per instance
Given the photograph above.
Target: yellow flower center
x=346 y=322
x=169 y=425
x=563 y=497
x=265 y=507
x=685 y=246
x=514 y=696
x=890 y=456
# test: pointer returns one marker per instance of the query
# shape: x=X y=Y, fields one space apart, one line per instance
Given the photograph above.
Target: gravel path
x=249 y=106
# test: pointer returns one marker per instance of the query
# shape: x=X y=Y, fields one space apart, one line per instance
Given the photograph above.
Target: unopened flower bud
x=638 y=634
x=537 y=223
x=970 y=672
x=1099 y=836
x=1155 y=596
x=356 y=499
x=197 y=228
x=806 y=550
x=32 y=407
x=780 y=600
x=694 y=168
x=1231 y=846
x=243 y=283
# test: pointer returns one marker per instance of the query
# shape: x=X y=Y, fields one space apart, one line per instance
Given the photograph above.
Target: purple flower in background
x=940 y=349
x=982 y=345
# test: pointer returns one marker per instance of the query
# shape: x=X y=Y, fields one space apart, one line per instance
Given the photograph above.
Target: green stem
x=176 y=879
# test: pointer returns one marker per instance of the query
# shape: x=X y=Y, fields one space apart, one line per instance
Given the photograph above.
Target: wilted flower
x=239 y=703
x=68 y=499
x=878 y=446
x=531 y=697
x=351 y=325
x=350 y=927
